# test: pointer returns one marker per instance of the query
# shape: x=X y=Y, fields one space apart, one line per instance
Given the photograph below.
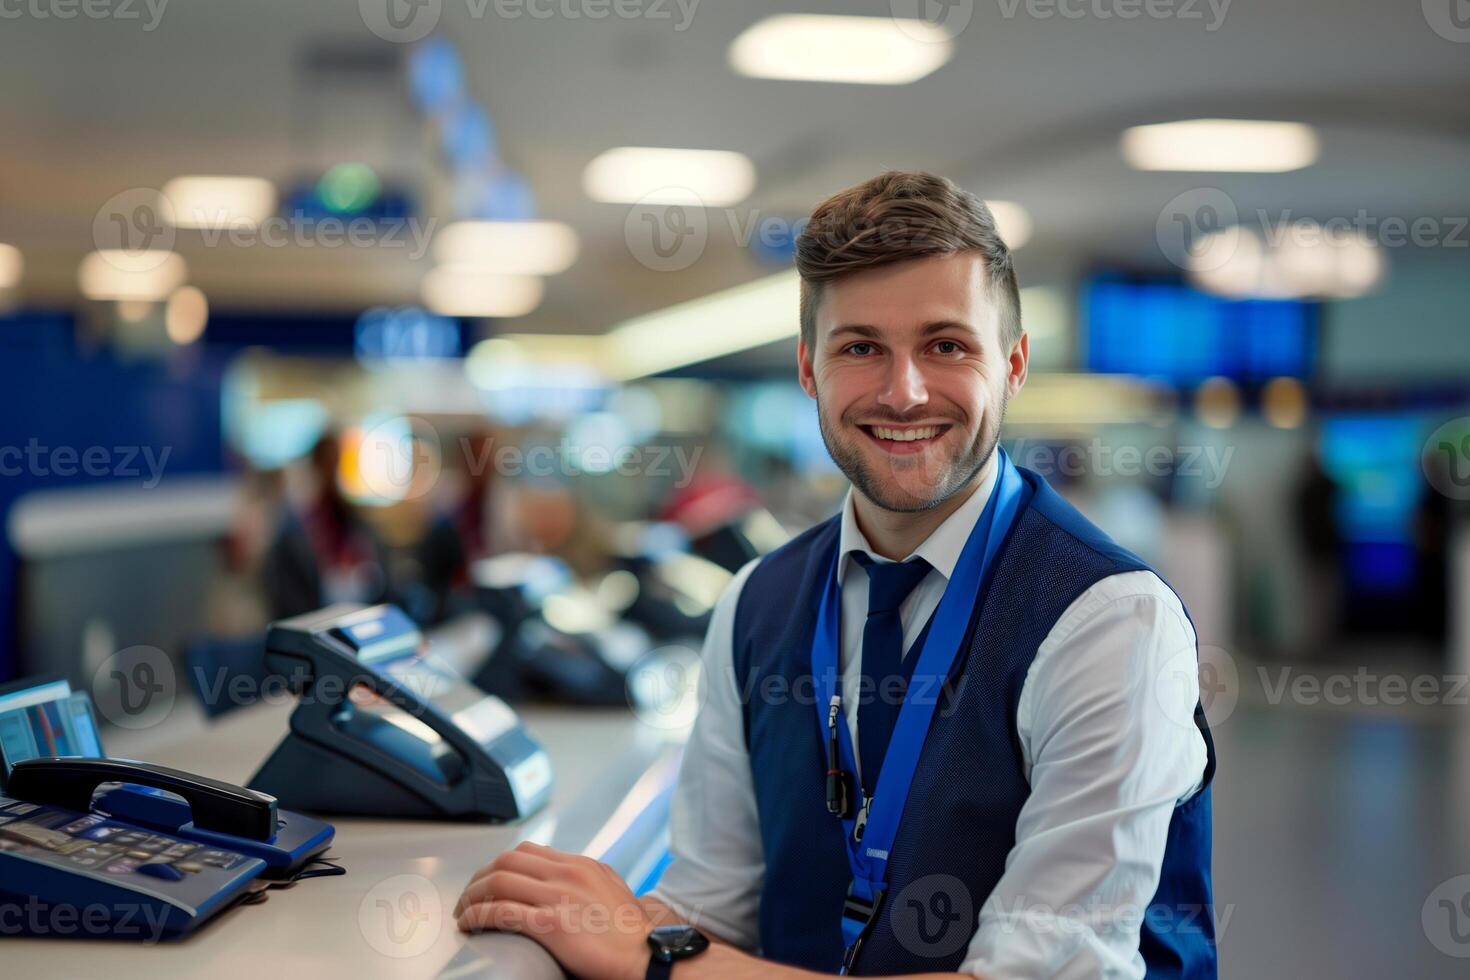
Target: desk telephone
x=385 y=728
x=156 y=853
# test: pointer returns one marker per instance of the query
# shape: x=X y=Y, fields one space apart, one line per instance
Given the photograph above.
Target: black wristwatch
x=670 y=944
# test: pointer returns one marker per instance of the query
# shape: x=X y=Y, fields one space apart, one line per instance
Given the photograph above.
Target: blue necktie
x=889 y=584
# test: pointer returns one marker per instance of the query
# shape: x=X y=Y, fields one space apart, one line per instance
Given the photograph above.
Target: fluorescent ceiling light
x=656 y=175
x=458 y=290
x=219 y=202
x=1224 y=145
x=822 y=48
x=725 y=322
x=116 y=273
x=1012 y=221
x=517 y=248
x=12 y=264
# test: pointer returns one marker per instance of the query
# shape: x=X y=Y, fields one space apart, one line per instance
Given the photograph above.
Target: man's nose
x=903 y=386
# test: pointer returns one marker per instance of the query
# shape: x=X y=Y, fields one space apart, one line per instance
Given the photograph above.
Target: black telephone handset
x=217 y=806
x=329 y=705
x=442 y=749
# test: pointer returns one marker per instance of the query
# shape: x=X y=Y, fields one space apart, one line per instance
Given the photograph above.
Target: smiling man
x=944 y=732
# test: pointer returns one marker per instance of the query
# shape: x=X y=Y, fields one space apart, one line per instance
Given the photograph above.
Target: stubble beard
x=954 y=475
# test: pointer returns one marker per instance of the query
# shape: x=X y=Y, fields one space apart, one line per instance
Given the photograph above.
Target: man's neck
x=895 y=534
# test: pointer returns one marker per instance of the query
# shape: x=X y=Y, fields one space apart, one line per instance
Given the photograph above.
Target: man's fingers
x=534 y=861
x=509 y=886
x=505 y=917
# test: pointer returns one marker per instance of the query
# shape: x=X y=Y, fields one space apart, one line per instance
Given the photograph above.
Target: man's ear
x=805 y=373
x=1020 y=357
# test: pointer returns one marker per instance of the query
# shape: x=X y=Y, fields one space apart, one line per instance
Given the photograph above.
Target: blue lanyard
x=868 y=859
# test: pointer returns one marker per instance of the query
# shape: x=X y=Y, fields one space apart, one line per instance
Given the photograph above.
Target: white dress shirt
x=1107 y=747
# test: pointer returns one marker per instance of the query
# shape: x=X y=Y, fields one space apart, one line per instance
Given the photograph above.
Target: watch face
x=676 y=942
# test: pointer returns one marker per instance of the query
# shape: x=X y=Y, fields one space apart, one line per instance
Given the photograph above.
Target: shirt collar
x=941 y=549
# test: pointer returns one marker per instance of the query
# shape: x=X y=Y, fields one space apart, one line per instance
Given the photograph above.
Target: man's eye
x=860 y=349
x=947 y=347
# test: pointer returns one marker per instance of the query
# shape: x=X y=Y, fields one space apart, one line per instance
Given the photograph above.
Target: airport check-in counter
x=391 y=914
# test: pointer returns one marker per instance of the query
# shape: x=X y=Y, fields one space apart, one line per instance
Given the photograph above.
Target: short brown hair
x=894 y=217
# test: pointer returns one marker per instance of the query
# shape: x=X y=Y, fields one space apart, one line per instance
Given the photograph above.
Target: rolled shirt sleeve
x=1105 y=729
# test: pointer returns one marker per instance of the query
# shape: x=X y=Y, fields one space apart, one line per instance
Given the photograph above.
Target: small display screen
x=46 y=720
x=390 y=643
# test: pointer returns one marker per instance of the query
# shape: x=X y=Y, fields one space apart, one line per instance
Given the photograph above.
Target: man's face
x=910 y=378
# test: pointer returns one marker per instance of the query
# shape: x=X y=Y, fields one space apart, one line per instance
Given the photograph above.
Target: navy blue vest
x=960 y=819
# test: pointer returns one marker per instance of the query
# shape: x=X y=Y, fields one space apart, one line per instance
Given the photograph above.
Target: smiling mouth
x=905 y=439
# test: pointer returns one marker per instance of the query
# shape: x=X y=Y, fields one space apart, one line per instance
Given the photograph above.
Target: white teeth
x=906 y=435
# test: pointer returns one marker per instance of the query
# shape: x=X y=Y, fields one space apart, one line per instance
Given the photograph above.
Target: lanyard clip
x=858 y=916
x=838 y=782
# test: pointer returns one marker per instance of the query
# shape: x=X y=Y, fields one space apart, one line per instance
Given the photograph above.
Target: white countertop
x=389 y=916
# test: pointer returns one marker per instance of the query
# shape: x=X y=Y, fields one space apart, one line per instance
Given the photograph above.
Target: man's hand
x=578 y=908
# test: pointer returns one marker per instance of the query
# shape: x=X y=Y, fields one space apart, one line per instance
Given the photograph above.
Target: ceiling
x=1029 y=109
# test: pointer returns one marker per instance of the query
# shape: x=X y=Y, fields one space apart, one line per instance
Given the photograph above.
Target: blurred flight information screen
x=1169 y=331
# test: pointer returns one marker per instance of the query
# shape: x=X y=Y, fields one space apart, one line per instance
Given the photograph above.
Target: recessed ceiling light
x=219 y=202
x=1221 y=145
x=824 y=48
x=460 y=290
x=116 y=273
x=526 y=248
x=661 y=175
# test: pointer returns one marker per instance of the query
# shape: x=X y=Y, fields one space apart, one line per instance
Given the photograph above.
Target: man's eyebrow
x=933 y=327
x=860 y=329
x=939 y=326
